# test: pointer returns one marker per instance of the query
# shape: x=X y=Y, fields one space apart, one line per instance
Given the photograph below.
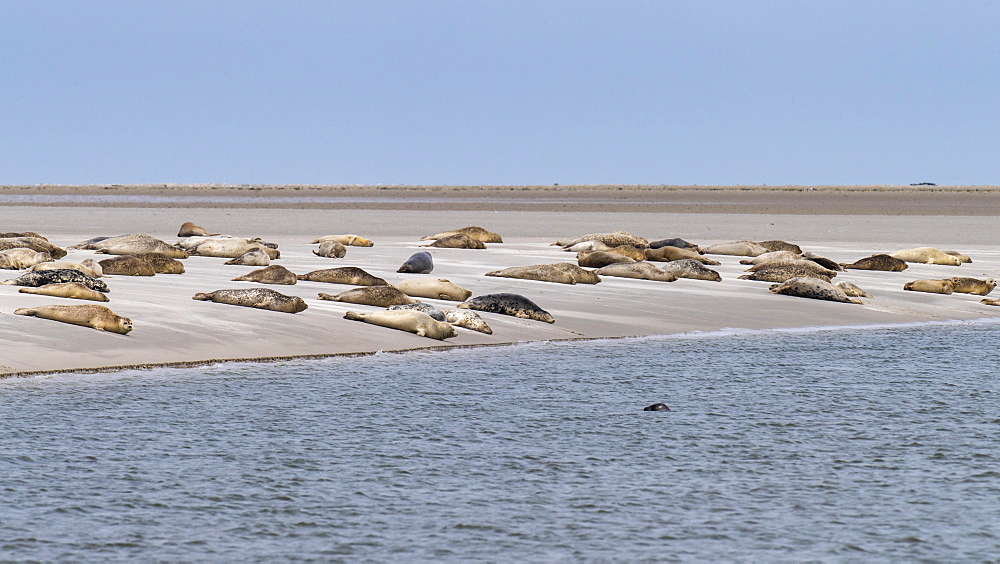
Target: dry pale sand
x=171 y=328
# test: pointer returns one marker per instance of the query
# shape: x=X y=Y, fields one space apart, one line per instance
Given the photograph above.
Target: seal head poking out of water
x=656 y=407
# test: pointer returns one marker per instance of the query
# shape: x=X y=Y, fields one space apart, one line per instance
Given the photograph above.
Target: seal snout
x=656 y=407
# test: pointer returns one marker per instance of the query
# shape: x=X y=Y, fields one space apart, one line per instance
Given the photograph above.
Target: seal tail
x=203 y=296
x=24 y=311
x=354 y=316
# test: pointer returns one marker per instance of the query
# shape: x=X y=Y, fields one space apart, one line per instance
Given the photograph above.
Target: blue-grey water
x=836 y=445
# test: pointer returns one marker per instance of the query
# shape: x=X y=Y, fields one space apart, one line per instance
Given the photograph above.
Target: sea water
x=831 y=445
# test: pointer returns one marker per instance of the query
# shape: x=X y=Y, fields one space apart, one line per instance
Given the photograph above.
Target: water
x=839 y=445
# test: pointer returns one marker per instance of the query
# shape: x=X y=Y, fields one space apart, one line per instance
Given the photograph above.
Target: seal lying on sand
x=468 y=319
x=383 y=296
x=274 y=274
x=457 y=241
x=690 y=268
x=90 y=267
x=973 y=285
x=852 y=290
x=927 y=255
x=783 y=273
x=434 y=288
x=131 y=245
x=127 y=265
x=775 y=245
x=22 y=258
x=990 y=301
x=587 y=246
x=418 y=263
x=669 y=254
x=162 y=264
x=772 y=256
x=878 y=262
x=331 y=249
x=930 y=286
x=73 y=290
x=228 y=247
x=406 y=320
x=561 y=272
x=599 y=259
x=350 y=275
x=965 y=259
x=806 y=287
x=350 y=240
x=260 y=298
x=508 y=304
x=189 y=229
x=94 y=316
x=674 y=242
x=737 y=248
x=436 y=313
x=253 y=257
x=477 y=233
x=33 y=243
x=638 y=270
x=613 y=239
x=43 y=277
x=629 y=251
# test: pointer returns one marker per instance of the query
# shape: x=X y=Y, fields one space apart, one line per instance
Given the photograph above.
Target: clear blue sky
x=500 y=92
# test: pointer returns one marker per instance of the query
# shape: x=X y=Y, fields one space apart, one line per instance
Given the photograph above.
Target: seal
x=508 y=304
x=990 y=301
x=22 y=258
x=418 y=263
x=457 y=241
x=803 y=264
x=434 y=288
x=350 y=240
x=776 y=245
x=73 y=290
x=613 y=239
x=260 y=298
x=476 y=232
x=468 y=319
x=43 y=277
x=331 y=249
x=930 y=286
x=599 y=259
x=974 y=286
x=964 y=258
x=784 y=273
x=878 y=262
x=253 y=257
x=350 y=275
x=630 y=252
x=670 y=254
x=162 y=264
x=90 y=267
x=134 y=245
x=692 y=269
x=927 y=255
x=772 y=256
x=853 y=291
x=737 y=248
x=382 y=296
x=127 y=265
x=33 y=243
x=88 y=315
x=587 y=246
x=806 y=287
x=228 y=247
x=416 y=322
x=189 y=229
x=823 y=261
x=638 y=270
x=673 y=242
x=23 y=234
x=436 y=313
x=656 y=407
x=561 y=272
x=274 y=274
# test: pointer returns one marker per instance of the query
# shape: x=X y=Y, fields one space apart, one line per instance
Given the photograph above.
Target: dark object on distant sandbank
x=923 y=184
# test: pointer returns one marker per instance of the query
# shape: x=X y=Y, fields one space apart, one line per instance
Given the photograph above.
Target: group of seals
x=957 y=284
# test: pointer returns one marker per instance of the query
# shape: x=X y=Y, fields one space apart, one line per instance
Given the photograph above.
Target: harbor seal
x=33 y=243
x=260 y=298
x=638 y=270
x=350 y=275
x=274 y=274
x=599 y=259
x=990 y=301
x=670 y=254
x=656 y=407
x=964 y=258
x=927 y=255
x=692 y=269
x=416 y=322
x=73 y=290
x=878 y=262
x=587 y=246
x=349 y=240
x=435 y=312
x=43 y=277
x=88 y=315
x=382 y=296
x=434 y=288
x=807 y=287
x=134 y=245
x=418 y=263
x=562 y=273
x=673 y=242
x=852 y=290
x=21 y=258
x=229 y=247
x=515 y=305
x=162 y=264
x=457 y=241
x=189 y=229
x=127 y=265
x=629 y=251
x=613 y=239
x=823 y=261
x=772 y=256
x=737 y=248
x=468 y=319
x=253 y=257
x=930 y=286
x=90 y=267
x=783 y=273
x=776 y=245
x=23 y=234
x=476 y=232
x=797 y=263
x=331 y=249
x=963 y=285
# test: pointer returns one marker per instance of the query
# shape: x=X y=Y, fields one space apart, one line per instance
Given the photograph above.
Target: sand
x=173 y=329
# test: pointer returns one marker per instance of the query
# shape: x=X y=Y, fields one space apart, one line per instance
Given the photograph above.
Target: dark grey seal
x=437 y=314
x=418 y=263
x=508 y=304
x=675 y=242
x=38 y=278
x=656 y=407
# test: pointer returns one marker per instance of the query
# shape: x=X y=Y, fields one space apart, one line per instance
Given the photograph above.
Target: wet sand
x=170 y=328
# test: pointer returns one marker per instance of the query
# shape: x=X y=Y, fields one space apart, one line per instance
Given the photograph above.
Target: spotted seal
x=562 y=272
x=253 y=257
x=965 y=259
x=964 y=285
x=881 y=262
x=162 y=264
x=468 y=319
x=772 y=256
x=260 y=298
x=90 y=267
x=803 y=264
x=418 y=263
x=927 y=255
x=228 y=247
x=434 y=288
x=457 y=241
x=808 y=287
x=638 y=270
x=776 y=245
x=21 y=258
x=331 y=249
x=692 y=269
x=88 y=315
x=136 y=244
x=350 y=275
x=613 y=239
x=43 y=277
x=783 y=273
x=416 y=322
x=274 y=274
x=436 y=313
x=73 y=290
x=852 y=290
x=930 y=286
x=383 y=296
x=629 y=251
x=508 y=304
x=476 y=232
x=127 y=265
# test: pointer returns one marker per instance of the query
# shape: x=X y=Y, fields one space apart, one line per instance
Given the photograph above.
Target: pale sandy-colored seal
x=23 y=234
x=776 y=245
x=966 y=259
x=629 y=251
x=43 y=277
x=274 y=274
x=613 y=239
x=418 y=263
x=638 y=270
x=586 y=246
x=434 y=288
x=692 y=269
x=878 y=262
x=189 y=229
x=350 y=275
x=562 y=272
x=823 y=261
x=229 y=247
x=260 y=298
x=504 y=303
x=132 y=245
x=599 y=259
x=331 y=249
x=807 y=287
x=852 y=290
x=477 y=233
x=90 y=267
x=673 y=242
x=383 y=296
x=468 y=319
x=783 y=273
x=930 y=286
x=737 y=248
x=88 y=315
x=349 y=240
x=22 y=258
x=975 y=286
x=406 y=320
x=127 y=265
x=669 y=254
x=253 y=257
x=772 y=256
x=457 y=241
x=927 y=255
x=33 y=243
x=73 y=290
x=162 y=264
x=990 y=301
x=436 y=313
